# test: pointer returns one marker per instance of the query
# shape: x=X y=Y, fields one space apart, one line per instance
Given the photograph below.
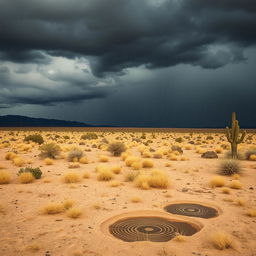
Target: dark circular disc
x=155 y=229
x=192 y=210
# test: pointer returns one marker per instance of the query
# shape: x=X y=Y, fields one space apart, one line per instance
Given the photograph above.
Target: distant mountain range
x=24 y=121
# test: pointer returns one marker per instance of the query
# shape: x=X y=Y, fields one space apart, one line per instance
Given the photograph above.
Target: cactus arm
x=236 y=132
x=228 y=134
x=242 y=137
x=233 y=129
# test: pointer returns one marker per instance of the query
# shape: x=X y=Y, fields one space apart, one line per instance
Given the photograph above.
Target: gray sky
x=164 y=63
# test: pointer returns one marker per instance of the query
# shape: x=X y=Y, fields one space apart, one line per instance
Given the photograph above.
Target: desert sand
x=26 y=230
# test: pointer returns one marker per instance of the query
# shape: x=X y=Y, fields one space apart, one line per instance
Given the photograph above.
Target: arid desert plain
x=126 y=193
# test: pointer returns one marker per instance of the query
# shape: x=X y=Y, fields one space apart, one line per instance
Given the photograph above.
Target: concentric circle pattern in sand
x=192 y=210
x=155 y=229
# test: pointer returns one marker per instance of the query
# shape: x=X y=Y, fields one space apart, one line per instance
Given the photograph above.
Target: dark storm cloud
x=117 y=34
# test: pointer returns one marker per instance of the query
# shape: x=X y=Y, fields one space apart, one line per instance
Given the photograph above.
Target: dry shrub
x=5 y=177
x=49 y=150
x=52 y=208
x=75 y=155
x=235 y=184
x=74 y=212
x=116 y=148
x=26 y=177
x=222 y=240
x=229 y=167
x=71 y=177
x=217 y=181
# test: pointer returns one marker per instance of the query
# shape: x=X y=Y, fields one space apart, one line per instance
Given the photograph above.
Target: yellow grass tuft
x=96 y=206
x=158 y=179
x=131 y=175
x=235 y=184
x=115 y=183
x=10 y=156
x=26 y=177
x=103 y=158
x=18 y=161
x=240 y=202
x=105 y=174
x=217 y=181
x=142 y=181
x=179 y=238
x=73 y=165
x=251 y=212
x=147 y=163
x=136 y=199
x=84 y=160
x=68 y=203
x=52 y=208
x=124 y=155
x=235 y=176
x=32 y=248
x=74 y=212
x=136 y=165
x=48 y=161
x=218 y=150
x=5 y=177
x=173 y=157
x=222 y=240
x=130 y=160
x=2 y=166
x=116 y=169
x=252 y=157
x=71 y=177
x=86 y=175
x=226 y=190
x=168 y=165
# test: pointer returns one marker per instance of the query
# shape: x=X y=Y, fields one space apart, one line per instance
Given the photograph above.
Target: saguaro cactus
x=233 y=135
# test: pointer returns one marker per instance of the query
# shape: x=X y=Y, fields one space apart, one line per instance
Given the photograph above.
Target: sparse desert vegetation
x=71 y=180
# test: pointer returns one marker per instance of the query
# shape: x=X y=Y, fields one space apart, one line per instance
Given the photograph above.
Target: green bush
x=75 y=153
x=36 y=172
x=116 y=148
x=37 y=138
x=89 y=136
x=229 y=167
x=50 y=150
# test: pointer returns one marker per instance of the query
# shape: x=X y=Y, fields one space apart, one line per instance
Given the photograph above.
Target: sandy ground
x=25 y=231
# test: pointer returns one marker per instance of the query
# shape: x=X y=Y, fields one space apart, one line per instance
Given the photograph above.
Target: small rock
x=184 y=190
x=209 y=154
